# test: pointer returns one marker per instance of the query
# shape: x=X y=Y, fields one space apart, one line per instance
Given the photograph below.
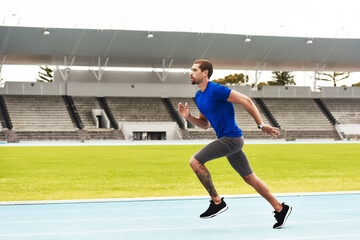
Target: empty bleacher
x=46 y=118
x=40 y=118
x=345 y=111
x=2 y=136
x=242 y=118
x=301 y=118
x=192 y=106
x=51 y=135
x=198 y=134
x=247 y=123
x=38 y=113
x=84 y=105
x=104 y=134
x=138 y=109
x=190 y=101
x=192 y=132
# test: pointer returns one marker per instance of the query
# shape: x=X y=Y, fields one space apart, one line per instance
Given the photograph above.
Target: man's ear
x=205 y=72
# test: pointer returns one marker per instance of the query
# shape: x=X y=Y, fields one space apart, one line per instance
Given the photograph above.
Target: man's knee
x=249 y=179
x=194 y=164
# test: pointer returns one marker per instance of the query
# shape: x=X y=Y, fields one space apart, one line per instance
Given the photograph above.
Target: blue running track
x=313 y=217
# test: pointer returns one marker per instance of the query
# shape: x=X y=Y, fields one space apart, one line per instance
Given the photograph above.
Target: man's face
x=197 y=75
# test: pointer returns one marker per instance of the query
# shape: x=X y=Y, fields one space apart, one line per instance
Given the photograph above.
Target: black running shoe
x=282 y=216
x=214 y=209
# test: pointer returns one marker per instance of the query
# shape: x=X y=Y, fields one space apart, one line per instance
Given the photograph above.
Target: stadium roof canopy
x=128 y=48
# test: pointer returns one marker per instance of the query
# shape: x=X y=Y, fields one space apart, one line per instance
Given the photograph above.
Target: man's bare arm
x=200 y=121
x=236 y=97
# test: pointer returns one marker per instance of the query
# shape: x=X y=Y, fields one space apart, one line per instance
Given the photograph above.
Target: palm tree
x=334 y=77
x=47 y=76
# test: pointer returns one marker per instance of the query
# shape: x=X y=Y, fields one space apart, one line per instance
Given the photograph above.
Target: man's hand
x=184 y=110
x=273 y=131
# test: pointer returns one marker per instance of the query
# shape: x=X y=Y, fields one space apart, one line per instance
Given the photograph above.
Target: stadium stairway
x=70 y=106
x=326 y=111
x=173 y=113
x=4 y=115
x=267 y=112
x=105 y=106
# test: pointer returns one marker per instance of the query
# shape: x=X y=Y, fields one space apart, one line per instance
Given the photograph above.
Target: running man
x=215 y=103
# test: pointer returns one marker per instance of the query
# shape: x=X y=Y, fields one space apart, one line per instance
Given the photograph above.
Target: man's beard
x=194 y=82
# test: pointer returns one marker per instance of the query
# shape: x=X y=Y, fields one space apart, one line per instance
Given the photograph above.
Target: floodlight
x=46 y=32
x=247 y=39
x=150 y=35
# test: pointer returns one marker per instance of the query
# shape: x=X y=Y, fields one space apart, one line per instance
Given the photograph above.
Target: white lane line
x=170 y=228
x=5 y=203
x=163 y=217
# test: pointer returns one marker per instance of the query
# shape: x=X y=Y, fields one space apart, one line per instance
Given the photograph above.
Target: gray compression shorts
x=229 y=147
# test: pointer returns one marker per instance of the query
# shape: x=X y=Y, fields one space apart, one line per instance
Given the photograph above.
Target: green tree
x=282 y=78
x=233 y=79
x=46 y=75
x=356 y=84
x=260 y=85
x=333 y=77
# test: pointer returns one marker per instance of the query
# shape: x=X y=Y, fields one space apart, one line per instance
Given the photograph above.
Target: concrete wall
x=349 y=128
x=340 y=92
x=129 y=89
x=165 y=89
x=32 y=88
x=123 y=77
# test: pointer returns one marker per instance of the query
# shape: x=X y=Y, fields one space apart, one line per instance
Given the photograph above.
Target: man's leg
x=216 y=149
x=263 y=190
x=217 y=204
x=240 y=163
x=205 y=178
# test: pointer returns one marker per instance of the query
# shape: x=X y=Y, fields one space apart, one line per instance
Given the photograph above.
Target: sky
x=309 y=18
x=299 y=18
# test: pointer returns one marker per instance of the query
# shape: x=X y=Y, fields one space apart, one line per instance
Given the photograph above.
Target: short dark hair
x=205 y=65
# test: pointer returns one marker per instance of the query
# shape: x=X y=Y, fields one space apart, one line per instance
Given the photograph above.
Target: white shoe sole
x=215 y=214
x=286 y=216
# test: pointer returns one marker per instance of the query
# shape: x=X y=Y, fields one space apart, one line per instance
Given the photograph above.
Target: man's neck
x=203 y=85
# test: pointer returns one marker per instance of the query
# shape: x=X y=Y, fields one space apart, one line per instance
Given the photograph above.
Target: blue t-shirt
x=220 y=113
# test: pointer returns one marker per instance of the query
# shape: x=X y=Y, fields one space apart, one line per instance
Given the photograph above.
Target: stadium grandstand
x=94 y=104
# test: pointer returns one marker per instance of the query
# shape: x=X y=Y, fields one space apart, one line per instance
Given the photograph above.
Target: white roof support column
x=258 y=72
x=66 y=72
x=2 y=49
x=165 y=71
x=100 y=71
x=2 y=63
x=317 y=71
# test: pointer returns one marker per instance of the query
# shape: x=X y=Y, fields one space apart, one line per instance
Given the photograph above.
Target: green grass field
x=86 y=172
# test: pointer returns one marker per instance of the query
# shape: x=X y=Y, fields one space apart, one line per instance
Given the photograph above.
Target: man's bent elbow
x=248 y=100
